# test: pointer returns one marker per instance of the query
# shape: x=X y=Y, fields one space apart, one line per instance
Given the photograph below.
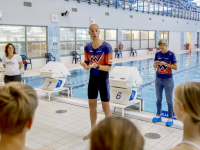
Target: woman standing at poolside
x=165 y=61
x=12 y=63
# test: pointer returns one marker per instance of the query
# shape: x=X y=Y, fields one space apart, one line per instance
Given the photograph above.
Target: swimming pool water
x=188 y=70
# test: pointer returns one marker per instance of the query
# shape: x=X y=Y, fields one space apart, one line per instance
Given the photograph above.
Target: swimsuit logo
x=95 y=58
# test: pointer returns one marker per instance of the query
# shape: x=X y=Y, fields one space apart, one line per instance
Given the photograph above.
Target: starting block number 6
x=118 y=95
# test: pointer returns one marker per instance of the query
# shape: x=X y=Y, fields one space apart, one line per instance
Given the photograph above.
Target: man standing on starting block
x=98 y=57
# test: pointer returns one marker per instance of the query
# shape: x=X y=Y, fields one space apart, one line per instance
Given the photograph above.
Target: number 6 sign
x=118 y=95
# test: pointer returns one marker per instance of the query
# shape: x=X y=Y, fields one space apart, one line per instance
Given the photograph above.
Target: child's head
x=116 y=133
x=187 y=102
x=17 y=107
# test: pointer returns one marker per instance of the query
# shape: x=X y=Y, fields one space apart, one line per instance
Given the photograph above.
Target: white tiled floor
x=65 y=131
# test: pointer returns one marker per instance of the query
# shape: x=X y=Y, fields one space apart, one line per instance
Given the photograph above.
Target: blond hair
x=116 y=133
x=162 y=43
x=17 y=106
x=189 y=95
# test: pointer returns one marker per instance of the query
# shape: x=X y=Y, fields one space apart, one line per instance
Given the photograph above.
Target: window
x=75 y=39
x=67 y=34
x=80 y=47
x=139 y=39
x=164 y=35
x=67 y=47
x=36 y=33
x=28 y=40
x=127 y=45
x=67 y=40
x=111 y=34
x=152 y=34
x=102 y=34
x=36 y=49
x=152 y=39
x=12 y=33
x=144 y=34
x=111 y=37
x=36 y=41
x=135 y=35
x=82 y=35
x=144 y=44
x=126 y=37
x=126 y=34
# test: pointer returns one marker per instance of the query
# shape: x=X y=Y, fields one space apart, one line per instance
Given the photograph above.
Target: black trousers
x=12 y=78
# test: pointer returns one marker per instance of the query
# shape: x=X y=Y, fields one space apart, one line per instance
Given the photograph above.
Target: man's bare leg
x=106 y=108
x=93 y=115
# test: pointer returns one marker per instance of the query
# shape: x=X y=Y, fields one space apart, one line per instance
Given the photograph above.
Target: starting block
x=56 y=74
x=124 y=89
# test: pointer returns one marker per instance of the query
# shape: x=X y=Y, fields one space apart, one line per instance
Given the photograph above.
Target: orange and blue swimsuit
x=99 y=79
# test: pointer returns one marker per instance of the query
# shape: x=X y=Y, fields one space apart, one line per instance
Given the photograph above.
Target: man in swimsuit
x=98 y=58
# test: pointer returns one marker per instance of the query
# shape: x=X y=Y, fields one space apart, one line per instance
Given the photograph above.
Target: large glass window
x=111 y=37
x=152 y=34
x=152 y=43
x=139 y=39
x=144 y=44
x=67 y=34
x=126 y=34
x=28 y=40
x=135 y=35
x=67 y=47
x=36 y=33
x=12 y=33
x=144 y=34
x=136 y=44
x=75 y=39
x=36 y=38
x=80 y=47
x=127 y=45
x=111 y=34
x=164 y=35
x=102 y=34
x=36 y=49
x=82 y=35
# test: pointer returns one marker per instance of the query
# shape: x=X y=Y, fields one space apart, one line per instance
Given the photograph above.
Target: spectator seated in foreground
x=17 y=107
x=116 y=133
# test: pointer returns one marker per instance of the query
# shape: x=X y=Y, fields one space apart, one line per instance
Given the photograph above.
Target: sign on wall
x=54 y=18
x=92 y=21
x=0 y=14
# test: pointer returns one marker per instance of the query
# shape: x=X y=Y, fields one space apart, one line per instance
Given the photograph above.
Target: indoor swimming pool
x=188 y=70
